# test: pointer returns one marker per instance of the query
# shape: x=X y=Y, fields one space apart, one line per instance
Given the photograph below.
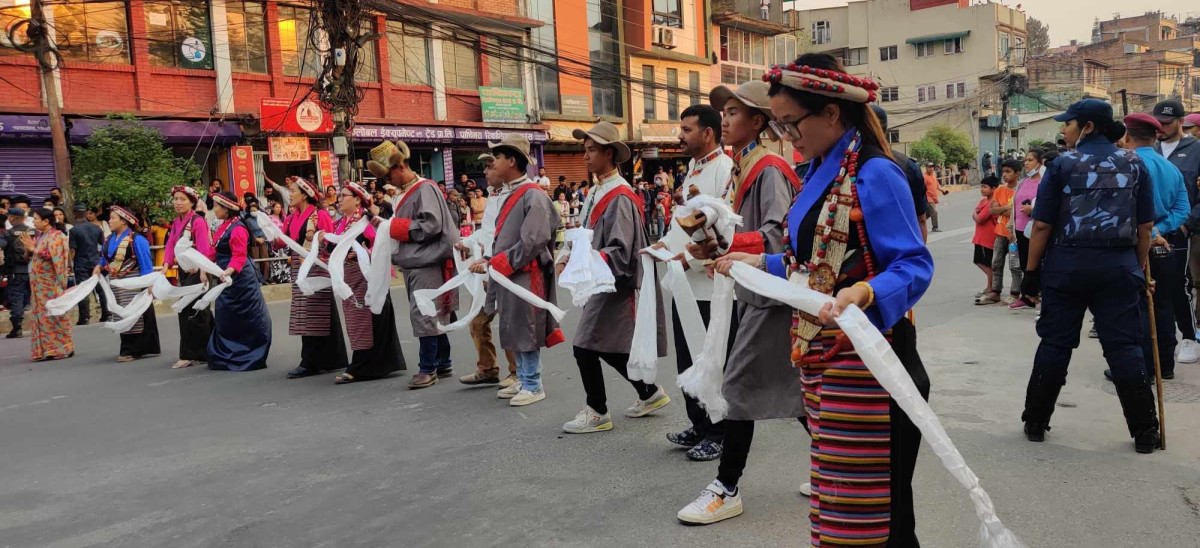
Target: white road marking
x=939 y=236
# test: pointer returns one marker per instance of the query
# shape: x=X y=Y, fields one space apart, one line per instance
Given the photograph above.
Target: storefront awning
x=25 y=128
x=938 y=37
x=372 y=133
x=176 y=132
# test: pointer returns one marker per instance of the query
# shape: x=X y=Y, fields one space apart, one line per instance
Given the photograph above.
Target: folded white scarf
x=586 y=273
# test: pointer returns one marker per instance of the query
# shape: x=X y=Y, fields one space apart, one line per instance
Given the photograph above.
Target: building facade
x=213 y=74
x=1152 y=57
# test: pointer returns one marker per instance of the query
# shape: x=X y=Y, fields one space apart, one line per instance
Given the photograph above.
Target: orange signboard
x=241 y=170
x=325 y=167
x=289 y=149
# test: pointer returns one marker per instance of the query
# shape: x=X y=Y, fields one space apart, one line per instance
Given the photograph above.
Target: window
x=756 y=48
x=926 y=93
x=505 y=70
x=925 y=49
x=888 y=53
x=648 y=104
x=94 y=32
x=460 y=60
x=178 y=34
x=889 y=94
x=667 y=12
x=953 y=45
x=672 y=94
x=1018 y=54
x=300 y=51
x=408 y=54
x=856 y=56
x=1003 y=51
x=893 y=136
x=822 y=32
x=543 y=39
x=247 y=36
x=729 y=74
x=961 y=88
x=956 y=90
x=694 y=86
x=368 y=66
x=605 y=56
x=781 y=49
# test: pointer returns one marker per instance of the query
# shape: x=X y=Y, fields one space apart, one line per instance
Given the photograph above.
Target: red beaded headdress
x=187 y=191
x=305 y=186
x=830 y=83
x=359 y=191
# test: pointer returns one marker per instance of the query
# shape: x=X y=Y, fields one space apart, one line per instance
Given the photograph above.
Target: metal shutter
x=570 y=164
x=27 y=170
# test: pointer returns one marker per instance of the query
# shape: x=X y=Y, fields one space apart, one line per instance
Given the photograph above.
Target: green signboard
x=504 y=105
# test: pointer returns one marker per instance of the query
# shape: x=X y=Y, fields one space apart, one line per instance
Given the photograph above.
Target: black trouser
x=683 y=359
x=1179 y=290
x=85 y=309
x=738 y=437
x=1167 y=274
x=18 y=298
x=592 y=375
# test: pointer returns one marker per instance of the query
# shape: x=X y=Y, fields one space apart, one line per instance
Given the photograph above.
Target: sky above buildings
x=1068 y=19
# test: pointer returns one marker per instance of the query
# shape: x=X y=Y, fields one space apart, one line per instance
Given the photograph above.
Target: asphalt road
x=99 y=453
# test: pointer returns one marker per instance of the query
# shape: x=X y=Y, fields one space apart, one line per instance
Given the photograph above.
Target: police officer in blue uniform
x=1091 y=237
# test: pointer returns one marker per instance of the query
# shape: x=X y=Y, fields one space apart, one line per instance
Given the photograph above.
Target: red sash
x=511 y=202
x=412 y=190
x=622 y=190
x=756 y=169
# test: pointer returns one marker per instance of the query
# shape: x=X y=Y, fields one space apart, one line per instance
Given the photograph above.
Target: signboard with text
x=441 y=135
x=503 y=105
x=576 y=105
x=281 y=115
x=241 y=170
x=289 y=149
x=325 y=168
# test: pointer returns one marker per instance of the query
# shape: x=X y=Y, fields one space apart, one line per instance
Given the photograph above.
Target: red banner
x=281 y=115
x=241 y=170
x=325 y=166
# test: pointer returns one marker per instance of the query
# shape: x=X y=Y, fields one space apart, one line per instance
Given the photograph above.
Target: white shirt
x=28 y=221
x=710 y=179
x=486 y=234
x=1168 y=148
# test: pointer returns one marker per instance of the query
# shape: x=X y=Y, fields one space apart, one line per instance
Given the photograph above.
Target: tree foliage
x=125 y=163
x=1039 y=37
x=955 y=146
x=926 y=150
x=1036 y=143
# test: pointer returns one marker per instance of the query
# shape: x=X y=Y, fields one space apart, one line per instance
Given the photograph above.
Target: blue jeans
x=434 y=354
x=529 y=370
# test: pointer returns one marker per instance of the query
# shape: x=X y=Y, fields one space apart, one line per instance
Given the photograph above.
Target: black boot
x=16 y=332
x=1040 y=398
x=1137 y=402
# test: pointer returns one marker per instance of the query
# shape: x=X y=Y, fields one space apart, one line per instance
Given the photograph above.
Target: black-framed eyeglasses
x=790 y=129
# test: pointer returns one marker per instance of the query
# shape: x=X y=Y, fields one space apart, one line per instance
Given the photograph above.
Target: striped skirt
x=310 y=314
x=863 y=449
x=124 y=297
x=356 y=311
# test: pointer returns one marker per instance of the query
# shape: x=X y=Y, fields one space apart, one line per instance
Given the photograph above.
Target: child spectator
x=985 y=233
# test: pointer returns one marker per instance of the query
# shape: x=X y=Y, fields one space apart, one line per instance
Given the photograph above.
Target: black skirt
x=385 y=356
x=195 y=325
x=324 y=353
x=145 y=343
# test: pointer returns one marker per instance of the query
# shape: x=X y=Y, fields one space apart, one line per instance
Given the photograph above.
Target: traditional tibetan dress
x=241 y=338
x=195 y=325
x=127 y=255
x=314 y=317
x=374 y=342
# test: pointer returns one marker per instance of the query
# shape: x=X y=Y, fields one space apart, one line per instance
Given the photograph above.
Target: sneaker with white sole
x=806 y=489
x=509 y=391
x=1189 y=352
x=525 y=397
x=588 y=421
x=508 y=381
x=714 y=504
x=649 y=405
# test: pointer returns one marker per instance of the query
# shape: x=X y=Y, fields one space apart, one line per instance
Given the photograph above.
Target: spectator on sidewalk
x=985 y=165
x=933 y=191
x=84 y=240
x=1002 y=201
x=543 y=181
x=16 y=267
x=985 y=232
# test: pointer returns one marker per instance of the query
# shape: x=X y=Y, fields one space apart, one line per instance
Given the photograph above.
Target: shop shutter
x=570 y=164
x=27 y=170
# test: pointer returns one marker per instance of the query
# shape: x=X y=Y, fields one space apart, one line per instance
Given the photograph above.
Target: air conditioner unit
x=664 y=36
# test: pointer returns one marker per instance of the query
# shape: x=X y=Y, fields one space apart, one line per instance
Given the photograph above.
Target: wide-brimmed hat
x=514 y=143
x=753 y=94
x=387 y=155
x=485 y=157
x=604 y=133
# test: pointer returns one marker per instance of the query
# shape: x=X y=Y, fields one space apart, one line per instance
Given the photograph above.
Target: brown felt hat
x=514 y=143
x=604 y=133
x=753 y=94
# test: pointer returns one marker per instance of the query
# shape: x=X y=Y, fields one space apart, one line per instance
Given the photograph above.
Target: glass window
x=667 y=12
x=889 y=94
x=856 y=56
x=822 y=32
x=953 y=45
x=543 y=38
x=247 y=36
x=1003 y=51
x=605 y=57
x=961 y=87
x=95 y=32
x=893 y=136
x=178 y=34
x=12 y=11
x=924 y=49
x=694 y=85
x=368 y=66
x=648 y=105
x=300 y=51
x=729 y=74
x=504 y=70
x=672 y=94
x=888 y=53
x=724 y=44
x=459 y=60
x=735 y=46
x=756 y=44
x=408 y=54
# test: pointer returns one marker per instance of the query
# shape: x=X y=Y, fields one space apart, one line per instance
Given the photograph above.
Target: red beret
x=1142 y=119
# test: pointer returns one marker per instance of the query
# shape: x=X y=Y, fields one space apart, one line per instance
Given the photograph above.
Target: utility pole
x=1124 y=102
x=48 y=62
x=1005 y=94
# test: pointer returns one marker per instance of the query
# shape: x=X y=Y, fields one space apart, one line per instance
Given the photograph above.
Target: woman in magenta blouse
x=195 y=325
x=241 y=338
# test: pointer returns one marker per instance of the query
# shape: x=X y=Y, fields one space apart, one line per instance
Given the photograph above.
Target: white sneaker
x=806 y=489
x=588 y=421
x=1189 y=352
x=649 y=405
x=525 y=397
x=711 y=506
x=509 y=391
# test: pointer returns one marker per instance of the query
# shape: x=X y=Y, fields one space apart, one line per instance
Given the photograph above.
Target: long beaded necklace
x=828 y=252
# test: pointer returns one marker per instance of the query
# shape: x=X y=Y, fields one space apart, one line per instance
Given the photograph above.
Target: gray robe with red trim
x=425 y=234
x=608 y=318
x=524 y=252
x=760 y=382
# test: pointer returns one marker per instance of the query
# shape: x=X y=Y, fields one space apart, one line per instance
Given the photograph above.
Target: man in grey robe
x=615 y=215
x=524 y=253
x=425 y=234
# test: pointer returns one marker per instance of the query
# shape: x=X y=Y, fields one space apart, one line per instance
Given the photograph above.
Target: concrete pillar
x=437 y=72
x=220 y=53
